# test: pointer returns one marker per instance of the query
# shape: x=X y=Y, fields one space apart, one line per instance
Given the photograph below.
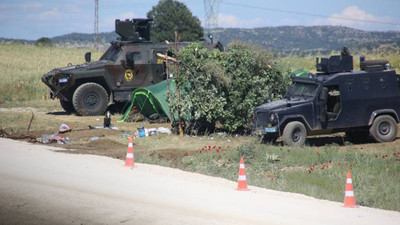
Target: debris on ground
x=126 y=134
x=64 y=128
x=163 y=130
x=53 y=138
x=103 y=127
x=95 y=138
x=145 y=132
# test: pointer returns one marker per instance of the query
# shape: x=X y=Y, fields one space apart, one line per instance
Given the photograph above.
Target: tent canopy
x=151 y=100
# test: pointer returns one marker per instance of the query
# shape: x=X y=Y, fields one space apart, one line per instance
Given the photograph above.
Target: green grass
x=318 y=172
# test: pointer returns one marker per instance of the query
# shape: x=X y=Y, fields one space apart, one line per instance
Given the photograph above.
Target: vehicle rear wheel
x=294 y=134
x=90 y=99
x=67 y=106
x=384 y=129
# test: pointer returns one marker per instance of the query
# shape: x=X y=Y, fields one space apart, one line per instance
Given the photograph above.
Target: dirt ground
x=113 y=143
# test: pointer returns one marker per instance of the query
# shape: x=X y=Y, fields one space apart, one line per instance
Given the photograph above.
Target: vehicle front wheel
x=384 y=129
x=90 y=99
x=294 y=134
x=67 y=106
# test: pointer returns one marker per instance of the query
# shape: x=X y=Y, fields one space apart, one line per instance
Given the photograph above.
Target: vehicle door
x=125 y=78
x=158 y=66
x=329 y=106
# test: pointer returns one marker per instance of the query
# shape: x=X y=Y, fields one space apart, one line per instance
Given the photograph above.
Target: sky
x=32 y=19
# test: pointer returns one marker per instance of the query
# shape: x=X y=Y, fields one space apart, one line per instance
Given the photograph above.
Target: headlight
x=61 y=79
x=272 y=117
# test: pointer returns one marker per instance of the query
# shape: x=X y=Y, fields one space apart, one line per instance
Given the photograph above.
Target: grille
x=260 y=119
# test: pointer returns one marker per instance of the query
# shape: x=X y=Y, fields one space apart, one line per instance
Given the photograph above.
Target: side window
x=333 y=103
x=137 y=56
x=157 y=59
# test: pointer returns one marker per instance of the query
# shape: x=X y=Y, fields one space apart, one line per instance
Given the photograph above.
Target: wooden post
x=167 y=71
x=178 y=93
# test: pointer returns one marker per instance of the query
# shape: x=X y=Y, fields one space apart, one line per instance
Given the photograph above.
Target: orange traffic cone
x=130 y=159
x=349 y=200
x=242 y=183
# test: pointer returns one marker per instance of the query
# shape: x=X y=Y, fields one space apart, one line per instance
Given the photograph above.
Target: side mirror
x=129 y=59
x=88 y=57
x=323 y=96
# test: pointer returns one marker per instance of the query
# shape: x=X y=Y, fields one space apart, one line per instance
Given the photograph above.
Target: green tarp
x=151 y=100
x=301 y=73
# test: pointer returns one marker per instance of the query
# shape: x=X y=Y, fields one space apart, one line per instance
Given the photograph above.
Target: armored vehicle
x=336 y=99
x=130 y=62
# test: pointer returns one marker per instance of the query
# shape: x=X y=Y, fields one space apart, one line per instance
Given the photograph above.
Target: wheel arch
x=299 y=118
x=381 y=112
x=98 y=80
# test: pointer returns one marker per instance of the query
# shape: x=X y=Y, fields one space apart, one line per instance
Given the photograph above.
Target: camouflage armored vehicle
x=130 y=62
x=363 y=103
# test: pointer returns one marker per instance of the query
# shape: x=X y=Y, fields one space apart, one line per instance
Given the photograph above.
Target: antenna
x=96 y=25
x=211 y=8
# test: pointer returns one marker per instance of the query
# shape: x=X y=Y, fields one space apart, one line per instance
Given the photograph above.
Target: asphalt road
x=41 y=186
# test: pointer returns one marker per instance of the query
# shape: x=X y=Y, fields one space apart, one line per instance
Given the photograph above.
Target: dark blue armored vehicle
x=363 y=103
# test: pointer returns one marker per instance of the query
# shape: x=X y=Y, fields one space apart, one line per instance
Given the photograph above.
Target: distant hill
x=282 y=39
x=311 y=39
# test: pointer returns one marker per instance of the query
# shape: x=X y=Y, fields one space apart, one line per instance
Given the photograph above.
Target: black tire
x=357 y=136
x=67 y=106
x=294 y=134
x=384 y=129
x=90 y=99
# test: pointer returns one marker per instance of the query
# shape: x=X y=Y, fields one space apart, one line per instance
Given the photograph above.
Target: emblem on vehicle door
x=128 y=75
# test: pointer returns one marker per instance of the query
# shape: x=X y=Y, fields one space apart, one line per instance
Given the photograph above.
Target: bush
x=220 y=89
x=44 y=41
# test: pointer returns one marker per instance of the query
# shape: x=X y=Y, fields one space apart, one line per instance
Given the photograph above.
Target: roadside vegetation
x=318 y=169
x=314 y=171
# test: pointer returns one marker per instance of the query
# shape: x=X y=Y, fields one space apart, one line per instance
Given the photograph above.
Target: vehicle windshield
x=112 y=53
x=301 y=90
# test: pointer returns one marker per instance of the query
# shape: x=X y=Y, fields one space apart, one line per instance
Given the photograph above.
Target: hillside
x=282 y=39
x=302 y=39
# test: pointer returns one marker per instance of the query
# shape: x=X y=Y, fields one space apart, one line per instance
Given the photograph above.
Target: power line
x=307 y=14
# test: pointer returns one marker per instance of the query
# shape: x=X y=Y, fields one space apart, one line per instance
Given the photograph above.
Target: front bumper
x=59 y=85
x=267 y=130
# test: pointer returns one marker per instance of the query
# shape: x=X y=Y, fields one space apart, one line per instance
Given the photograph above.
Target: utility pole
x=96 y=25
x=211 y=8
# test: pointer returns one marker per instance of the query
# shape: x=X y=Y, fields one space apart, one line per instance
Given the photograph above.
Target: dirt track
x=46 y=187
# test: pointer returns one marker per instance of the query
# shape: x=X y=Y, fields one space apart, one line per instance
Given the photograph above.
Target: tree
x=170 y=16
x=221 y=89
x=44 y=41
